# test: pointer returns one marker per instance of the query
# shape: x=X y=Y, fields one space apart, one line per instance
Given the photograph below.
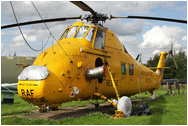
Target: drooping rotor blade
x=175 y=62
x=152 y=18
x=171 y=45
x=83 y=6
x=39 y=21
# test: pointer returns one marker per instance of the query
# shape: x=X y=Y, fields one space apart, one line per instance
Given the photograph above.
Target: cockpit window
x=71 y=32
x=64 y=33
x=99 y=39
x=81 y=32
x=89 y=35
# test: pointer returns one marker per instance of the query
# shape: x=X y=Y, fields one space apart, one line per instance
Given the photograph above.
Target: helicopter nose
x=34 y=72
x=31 y=84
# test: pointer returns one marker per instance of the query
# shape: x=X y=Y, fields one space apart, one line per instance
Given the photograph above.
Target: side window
x=131 y=70
x=123 y=68
x=71 y=32
x=65 y=32
x=89 y=35
x=99 y=39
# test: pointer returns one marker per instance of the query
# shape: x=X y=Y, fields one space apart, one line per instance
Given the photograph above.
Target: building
x=11 y=66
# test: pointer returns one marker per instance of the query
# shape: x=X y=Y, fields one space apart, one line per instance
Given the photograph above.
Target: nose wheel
x=45 y=108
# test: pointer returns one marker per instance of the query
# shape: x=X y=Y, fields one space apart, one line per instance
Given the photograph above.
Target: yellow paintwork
x=66 y=62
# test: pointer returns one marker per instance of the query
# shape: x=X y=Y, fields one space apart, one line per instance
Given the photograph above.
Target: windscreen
x=81 y=32
x=71 y=32
x=64 y=33
x=90 y=34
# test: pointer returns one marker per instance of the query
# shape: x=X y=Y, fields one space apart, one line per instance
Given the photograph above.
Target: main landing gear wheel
x=97 y=105
x=124 y=105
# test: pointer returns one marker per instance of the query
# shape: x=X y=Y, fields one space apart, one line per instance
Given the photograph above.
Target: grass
x=166 y=110
x=19 y=107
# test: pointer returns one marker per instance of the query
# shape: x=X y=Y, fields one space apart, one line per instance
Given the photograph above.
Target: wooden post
x=167 y=87
x=178 y=88
x=183 y=86
x=170 y=87
x=175 y=87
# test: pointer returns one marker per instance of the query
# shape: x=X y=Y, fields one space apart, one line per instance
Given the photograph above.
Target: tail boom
x=161 y=63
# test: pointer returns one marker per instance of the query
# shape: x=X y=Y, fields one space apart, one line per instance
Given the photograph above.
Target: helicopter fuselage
x=83 y=46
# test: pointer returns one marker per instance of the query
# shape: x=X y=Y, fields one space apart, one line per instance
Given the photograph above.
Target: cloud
x=128 y=31
x=20 y=48
x=184 y=38
x=125 y=28
x=17 y=44
x=133 y=7
x=128 y=39
x=12 y=32
x=161 y=37
x=20 y=38
x=156 y=52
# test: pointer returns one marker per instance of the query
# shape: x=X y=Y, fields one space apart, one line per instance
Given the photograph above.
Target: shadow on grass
x=158 y=110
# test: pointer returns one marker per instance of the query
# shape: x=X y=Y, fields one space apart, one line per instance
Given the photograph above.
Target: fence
x=175 y=84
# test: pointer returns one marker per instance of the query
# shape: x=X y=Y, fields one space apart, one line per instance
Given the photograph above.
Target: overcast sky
x=139 y=36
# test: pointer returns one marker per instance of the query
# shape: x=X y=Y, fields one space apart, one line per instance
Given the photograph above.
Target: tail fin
x=161 y=63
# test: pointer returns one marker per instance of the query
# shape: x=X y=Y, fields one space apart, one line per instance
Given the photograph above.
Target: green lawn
x=19 y=107
x=166 y=110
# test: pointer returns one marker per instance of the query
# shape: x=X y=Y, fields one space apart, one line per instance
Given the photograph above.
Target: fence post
x=167 y=87
x=178 y=88
x=175 y=87
x=183 y=86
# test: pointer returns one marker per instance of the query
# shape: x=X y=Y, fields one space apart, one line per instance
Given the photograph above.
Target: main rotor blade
x=39 y=21
x=152 y=18
x=83 y=6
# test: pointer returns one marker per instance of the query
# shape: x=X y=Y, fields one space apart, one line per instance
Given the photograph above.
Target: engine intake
x=95 y=73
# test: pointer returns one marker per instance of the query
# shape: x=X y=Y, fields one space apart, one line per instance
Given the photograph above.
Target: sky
x=139 y=36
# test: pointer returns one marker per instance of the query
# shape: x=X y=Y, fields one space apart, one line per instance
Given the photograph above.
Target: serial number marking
x=147 y=73
x=109 y=82
x=148 y=80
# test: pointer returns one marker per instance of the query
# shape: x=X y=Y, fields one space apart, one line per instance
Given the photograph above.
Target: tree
x=181 y=72
x=172 y=73
x=181 y=60
x=154 y=62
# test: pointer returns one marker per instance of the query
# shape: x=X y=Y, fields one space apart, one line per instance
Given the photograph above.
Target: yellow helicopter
x=87 y=61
